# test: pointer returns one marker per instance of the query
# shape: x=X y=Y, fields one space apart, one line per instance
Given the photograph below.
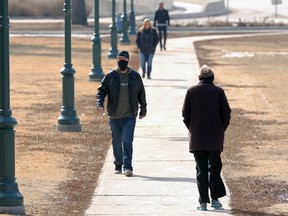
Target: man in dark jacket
x=162 y=19
x=125 y=91
x=206 y=114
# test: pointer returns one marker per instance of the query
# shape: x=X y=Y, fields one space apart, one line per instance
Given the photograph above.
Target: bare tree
x=79 y=15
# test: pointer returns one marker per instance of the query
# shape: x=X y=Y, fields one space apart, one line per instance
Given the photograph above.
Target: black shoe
x=149 y=77
x=164 y=47
x=160 y=48
x=143 y=75
x=118 y=169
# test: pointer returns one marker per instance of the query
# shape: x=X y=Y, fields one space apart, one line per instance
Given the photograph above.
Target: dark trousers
x=208 y=167
x=162 y=30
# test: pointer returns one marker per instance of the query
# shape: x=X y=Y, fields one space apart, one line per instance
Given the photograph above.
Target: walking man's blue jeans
x=146 y=59
x=122 y=138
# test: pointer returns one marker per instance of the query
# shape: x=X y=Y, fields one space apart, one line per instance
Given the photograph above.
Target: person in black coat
x=206 y=114
x=162 y=19
x=147 y=39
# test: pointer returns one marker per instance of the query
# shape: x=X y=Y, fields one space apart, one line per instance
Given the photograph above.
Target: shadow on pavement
x=166 y=179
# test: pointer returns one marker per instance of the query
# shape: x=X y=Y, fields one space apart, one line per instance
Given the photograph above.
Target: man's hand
x=141 y=117
x=101 y=110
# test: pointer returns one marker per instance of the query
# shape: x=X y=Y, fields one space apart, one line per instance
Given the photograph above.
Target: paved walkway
x=164 y=171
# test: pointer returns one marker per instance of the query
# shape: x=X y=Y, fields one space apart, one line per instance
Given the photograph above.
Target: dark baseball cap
x=123 y=54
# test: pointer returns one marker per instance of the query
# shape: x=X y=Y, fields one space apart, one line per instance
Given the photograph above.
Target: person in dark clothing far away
x=125 y=92
x=161 y=20
x=147 y=39
x=206 y=114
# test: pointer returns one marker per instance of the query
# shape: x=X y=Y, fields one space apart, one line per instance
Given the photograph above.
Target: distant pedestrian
x=147 y=40
x=161 y=20
x=125 y=91
x=206 y=114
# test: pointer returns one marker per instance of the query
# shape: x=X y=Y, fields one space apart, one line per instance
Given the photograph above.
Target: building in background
x=140 y=6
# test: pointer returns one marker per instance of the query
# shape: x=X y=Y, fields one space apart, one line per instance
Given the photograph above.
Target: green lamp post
x=96 y=73
x=11 y=200
x=124 y=37
x=132 y=30
x=68 y=120
x=113 y=34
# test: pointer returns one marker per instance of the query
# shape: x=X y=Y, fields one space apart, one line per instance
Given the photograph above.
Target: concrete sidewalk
x=164 y=180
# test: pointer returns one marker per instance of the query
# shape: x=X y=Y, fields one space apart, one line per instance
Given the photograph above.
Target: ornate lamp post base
x=11 y=200
x=68 y=128
x=113 y=34
x=132 y=29
x=124 y=38
x=14 y=210
x=112 y=53
x=113 y=49
x=68 y=119
x=96 y=73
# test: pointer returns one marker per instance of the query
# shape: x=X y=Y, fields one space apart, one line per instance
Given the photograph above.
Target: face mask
x=122 y=64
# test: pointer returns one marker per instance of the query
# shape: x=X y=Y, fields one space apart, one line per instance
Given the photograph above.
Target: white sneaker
x=202 y=207
x=216 y=203
x=128 y=173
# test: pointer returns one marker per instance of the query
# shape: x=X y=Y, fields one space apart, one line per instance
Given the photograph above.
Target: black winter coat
x=206 y=114
x=110 y=85
x=147 y=40
x=161 y=17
